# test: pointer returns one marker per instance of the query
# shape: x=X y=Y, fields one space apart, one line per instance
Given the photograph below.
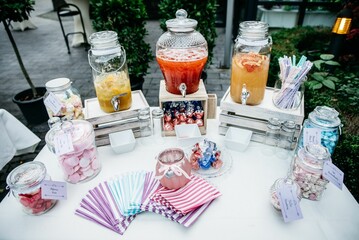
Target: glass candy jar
x=109 y=70
x=62 y=99
x=74 y=144
x=307 y=170
x=173 y=169
x=287 y=131
x=250 y=63
x=181 y=53
x=25 y=183
x=272 y=132
x=323 y=126
x=279 y=183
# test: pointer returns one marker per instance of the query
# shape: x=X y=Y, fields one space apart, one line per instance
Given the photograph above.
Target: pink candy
x=34 y=204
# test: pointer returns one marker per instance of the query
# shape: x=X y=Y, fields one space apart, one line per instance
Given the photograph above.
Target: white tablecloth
x=242 y=212
x=15 y=138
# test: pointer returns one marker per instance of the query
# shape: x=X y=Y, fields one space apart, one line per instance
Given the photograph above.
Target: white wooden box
x=106 y=123
x=200 y=95
x=255 y=118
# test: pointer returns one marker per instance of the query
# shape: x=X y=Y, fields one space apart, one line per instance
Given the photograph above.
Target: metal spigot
x=115 y=101
x=183 y=88
x=245 y=95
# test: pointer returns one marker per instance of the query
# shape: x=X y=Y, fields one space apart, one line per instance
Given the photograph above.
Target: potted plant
x=127 y=18
x=29 y=101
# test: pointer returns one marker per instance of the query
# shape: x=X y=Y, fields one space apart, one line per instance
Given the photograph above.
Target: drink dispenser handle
x=245 y=95
x=183 y=88
x=115 y=101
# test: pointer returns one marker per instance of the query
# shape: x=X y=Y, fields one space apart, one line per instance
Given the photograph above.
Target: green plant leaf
x=332 y=63
x=318 y=63
x=326 y=56
x=317 y=76
x=334 y=79
x=317 y=86
x=329 y=84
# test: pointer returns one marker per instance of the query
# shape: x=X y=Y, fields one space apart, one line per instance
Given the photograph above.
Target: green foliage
x=322 y=75
x=127 y=18
x=202 y=11
x=15 y=10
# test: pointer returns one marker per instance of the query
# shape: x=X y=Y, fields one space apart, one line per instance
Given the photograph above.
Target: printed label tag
x=289 y=203
x=333 y=174
x=53 y=103
x=63 y=144
x=311 y=136
x=53 y=190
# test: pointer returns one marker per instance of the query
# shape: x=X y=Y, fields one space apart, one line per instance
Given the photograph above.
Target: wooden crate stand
x=200 y=95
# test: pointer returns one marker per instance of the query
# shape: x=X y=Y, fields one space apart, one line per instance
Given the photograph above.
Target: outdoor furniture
x=243 y=211
x=71 y=10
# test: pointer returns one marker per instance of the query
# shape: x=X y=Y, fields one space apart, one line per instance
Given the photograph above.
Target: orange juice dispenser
x=181 y=53
x=250 y=63
x=109 y=70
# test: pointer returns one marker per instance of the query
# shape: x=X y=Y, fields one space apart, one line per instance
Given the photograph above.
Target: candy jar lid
x=58 y=84
x=273 y=123
x=26 y=176
x=79 y=131
x=325 y=116
x=289 y=126
x=314 y=156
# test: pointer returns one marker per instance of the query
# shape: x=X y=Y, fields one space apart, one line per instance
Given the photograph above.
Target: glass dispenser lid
x=181 y=23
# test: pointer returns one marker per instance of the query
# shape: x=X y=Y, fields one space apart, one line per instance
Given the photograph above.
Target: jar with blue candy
x=323 y=126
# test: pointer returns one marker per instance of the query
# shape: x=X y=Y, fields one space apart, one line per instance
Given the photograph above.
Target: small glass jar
x=173 y=169
x=287 y=135
x=182 y=53
x=274 y=199
x=307 y=170
x=157 y=118
x=67 y=97
x=327 y=122
x=250 y=63
x=109 y=71
x=144 y=116
x=272 y=132
x=80 y=163
x=25 y=183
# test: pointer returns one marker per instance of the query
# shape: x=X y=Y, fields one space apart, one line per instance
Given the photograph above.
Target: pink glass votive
x=173 y=169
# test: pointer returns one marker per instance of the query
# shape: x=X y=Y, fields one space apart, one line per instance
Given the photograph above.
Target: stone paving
x=45 y=57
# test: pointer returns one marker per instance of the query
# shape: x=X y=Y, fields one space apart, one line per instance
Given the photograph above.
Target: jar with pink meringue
x=307 y=170
x=173 y=168
x=25 y=183
x=74 y=144
x=277 y=185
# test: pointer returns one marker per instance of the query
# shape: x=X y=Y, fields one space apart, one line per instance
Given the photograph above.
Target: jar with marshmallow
x=307 y=170
x=62 y=99
x=74 y=144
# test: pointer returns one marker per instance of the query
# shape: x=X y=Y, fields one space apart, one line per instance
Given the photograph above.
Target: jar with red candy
x=74 y=144
x=173 y=169
x=25 y=183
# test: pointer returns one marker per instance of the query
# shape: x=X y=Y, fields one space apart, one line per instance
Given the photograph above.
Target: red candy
x=34 y=204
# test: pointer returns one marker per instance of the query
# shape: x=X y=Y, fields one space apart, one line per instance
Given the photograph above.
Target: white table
x=242 y=212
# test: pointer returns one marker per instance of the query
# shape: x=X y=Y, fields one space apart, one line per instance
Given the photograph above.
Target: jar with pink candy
x=74 y=144
x=173 y=168
x=307 y=170
x=25 y=184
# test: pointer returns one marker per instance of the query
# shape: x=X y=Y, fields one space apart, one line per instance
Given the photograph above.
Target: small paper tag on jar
x=289 y=203
x=53 y=103
x=63 y=144
x=311 y=136
x=333 y=174
x=53 y=190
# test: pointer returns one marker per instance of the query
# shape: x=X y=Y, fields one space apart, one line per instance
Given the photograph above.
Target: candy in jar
x=109 y=70
x=323 y=126
x=62 y=99
x=279 y=183
x=307 y=170
x=181 y=53
x=25 y=183
x=74 y=144
x=173 y=169
x=250 y=63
